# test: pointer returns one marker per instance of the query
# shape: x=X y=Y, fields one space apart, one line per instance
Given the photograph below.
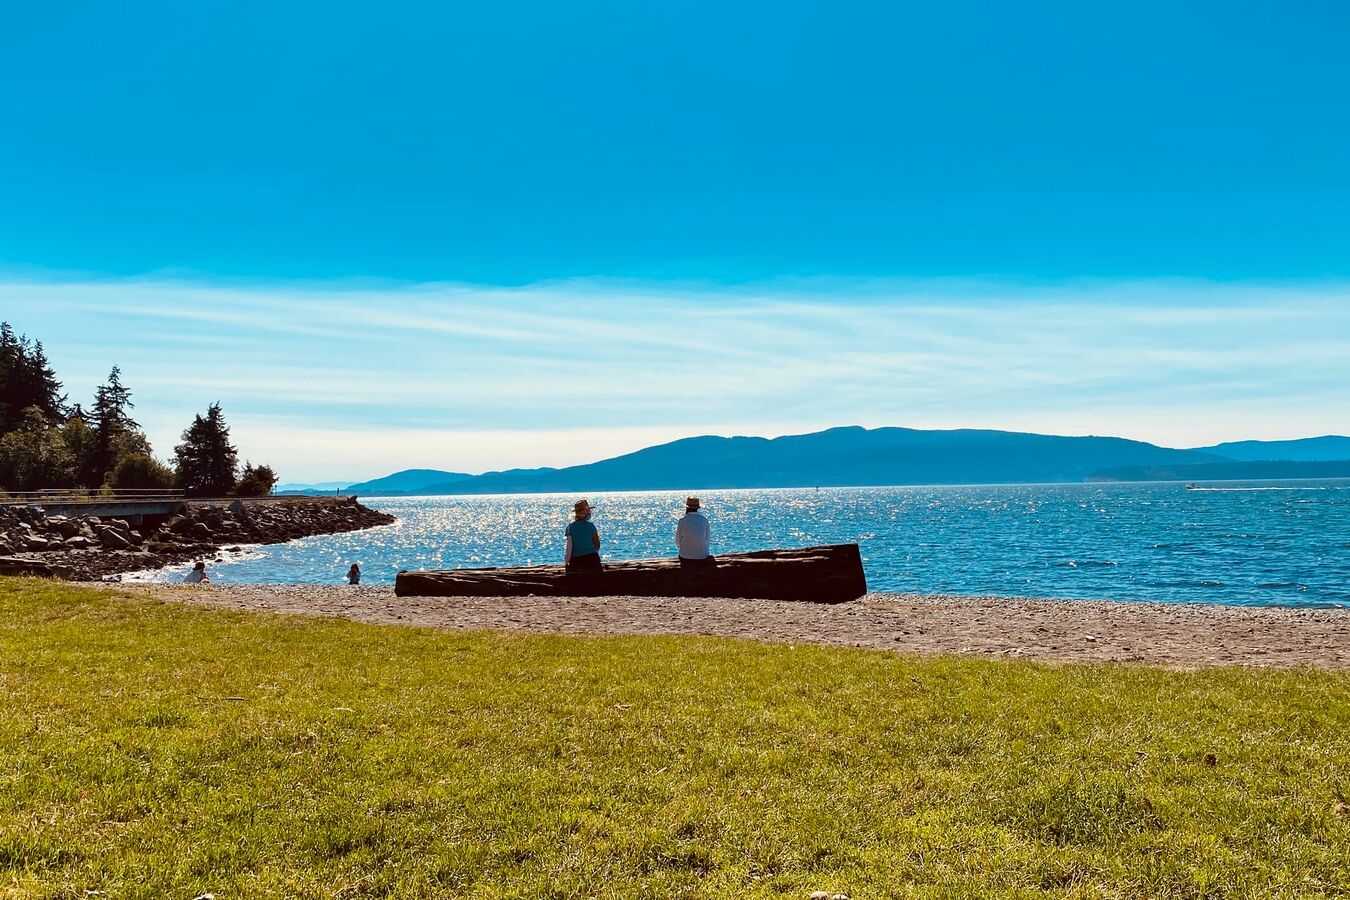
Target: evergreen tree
x=256 y=481
x=8 y=346
x=41 y=384
x=26 y=381
x=9 y=365
x=207 y=462
x=115 y=432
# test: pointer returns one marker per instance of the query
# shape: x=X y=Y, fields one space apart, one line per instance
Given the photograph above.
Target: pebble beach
x=1186 y=636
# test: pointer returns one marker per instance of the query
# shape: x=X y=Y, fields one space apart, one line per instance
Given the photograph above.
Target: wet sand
x=1173 y=635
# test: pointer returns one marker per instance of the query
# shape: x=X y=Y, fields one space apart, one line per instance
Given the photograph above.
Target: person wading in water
x=583 y=541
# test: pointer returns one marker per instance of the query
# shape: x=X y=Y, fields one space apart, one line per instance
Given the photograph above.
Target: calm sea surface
x=1284 y=544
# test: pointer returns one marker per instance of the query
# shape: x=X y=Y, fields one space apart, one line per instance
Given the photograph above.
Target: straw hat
x=691 y=504
x=581 y=507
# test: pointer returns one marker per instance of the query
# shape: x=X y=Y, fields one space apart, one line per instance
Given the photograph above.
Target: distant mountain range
x=322 y=487
x=855 y=456
x=409 y=481
x=424 y=482
x=1314 y=449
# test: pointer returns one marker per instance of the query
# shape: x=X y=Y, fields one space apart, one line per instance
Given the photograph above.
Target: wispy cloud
x=338 y=380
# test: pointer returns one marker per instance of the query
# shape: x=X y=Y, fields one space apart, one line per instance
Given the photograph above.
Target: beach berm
x=151 y=748
x=1178 y=635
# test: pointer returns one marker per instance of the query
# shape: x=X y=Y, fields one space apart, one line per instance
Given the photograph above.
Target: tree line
x=47 y=442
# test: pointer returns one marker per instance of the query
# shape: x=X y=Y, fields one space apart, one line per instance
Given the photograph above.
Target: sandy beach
x=1174 y=635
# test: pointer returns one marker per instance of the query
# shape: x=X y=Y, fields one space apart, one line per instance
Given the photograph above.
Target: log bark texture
x=832 y=574
x=18 y=566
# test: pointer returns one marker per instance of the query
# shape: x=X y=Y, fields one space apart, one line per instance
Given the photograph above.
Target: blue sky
x=358 y=226
x=337 y=380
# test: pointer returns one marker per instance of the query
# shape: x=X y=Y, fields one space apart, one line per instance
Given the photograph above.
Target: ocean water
x=1284 y=543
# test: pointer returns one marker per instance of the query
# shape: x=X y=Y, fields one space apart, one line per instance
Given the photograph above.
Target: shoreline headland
x=87 y=548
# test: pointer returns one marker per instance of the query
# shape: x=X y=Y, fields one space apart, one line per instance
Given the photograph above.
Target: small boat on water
x=1192 y=487
x=831 y=574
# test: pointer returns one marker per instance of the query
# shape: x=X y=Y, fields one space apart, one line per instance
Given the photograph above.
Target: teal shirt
x=583 y=538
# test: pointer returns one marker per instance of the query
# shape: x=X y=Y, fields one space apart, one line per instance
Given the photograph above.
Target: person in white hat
x=693 y=537
x=583 y=541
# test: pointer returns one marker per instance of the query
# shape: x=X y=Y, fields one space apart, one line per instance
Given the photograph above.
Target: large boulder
x=112 y=539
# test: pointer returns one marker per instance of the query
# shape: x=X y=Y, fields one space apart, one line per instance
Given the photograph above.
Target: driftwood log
x=10 y=565
x=831 y=574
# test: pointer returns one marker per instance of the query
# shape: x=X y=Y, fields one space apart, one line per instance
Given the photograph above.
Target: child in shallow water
x=354 y=574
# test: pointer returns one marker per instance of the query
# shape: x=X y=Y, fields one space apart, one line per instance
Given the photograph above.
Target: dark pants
x=706 y=563
x=589 y=562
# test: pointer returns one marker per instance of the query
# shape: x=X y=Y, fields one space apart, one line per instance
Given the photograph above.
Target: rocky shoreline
x=87 y=548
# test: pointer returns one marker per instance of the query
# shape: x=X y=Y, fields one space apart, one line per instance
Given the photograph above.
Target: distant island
x=859 y=457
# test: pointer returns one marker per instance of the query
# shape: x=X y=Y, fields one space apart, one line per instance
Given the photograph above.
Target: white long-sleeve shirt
x=693 y=536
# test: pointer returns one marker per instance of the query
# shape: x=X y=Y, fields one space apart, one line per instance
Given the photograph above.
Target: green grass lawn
x=155 y=750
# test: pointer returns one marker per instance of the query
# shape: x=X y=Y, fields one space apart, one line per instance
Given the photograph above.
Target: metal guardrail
x=67 y=496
